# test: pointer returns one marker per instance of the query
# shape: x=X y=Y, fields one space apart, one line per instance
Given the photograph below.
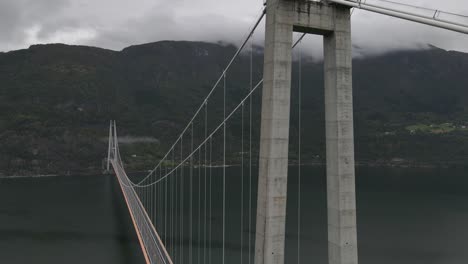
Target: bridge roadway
x=153 y=248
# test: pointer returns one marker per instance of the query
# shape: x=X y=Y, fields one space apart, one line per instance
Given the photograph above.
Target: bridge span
x=205 y=142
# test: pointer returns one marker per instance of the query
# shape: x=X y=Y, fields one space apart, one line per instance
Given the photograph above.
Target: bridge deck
x=153 y=248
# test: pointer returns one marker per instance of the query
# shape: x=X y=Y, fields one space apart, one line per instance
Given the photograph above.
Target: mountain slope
x=56 y=100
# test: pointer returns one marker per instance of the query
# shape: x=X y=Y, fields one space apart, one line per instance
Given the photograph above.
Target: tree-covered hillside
x=56 y=101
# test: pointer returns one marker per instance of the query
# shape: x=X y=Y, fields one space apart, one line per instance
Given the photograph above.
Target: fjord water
x=74 y=220
x=405 y=216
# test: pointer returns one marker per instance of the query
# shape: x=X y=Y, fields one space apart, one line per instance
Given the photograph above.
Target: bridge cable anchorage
x=432 y=19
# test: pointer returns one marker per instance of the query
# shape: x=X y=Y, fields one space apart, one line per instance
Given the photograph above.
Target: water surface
x=75 y=219
x=405 y=216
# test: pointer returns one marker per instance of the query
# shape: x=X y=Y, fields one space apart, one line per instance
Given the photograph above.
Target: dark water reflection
x=81 y=219
x=405 y=216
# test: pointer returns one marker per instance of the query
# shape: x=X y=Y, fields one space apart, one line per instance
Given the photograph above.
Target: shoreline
x=374 y=164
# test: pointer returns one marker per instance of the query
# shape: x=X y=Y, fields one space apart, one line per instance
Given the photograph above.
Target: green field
x=433 y=128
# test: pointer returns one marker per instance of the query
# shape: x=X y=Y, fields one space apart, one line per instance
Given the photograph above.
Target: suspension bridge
x=180 y=210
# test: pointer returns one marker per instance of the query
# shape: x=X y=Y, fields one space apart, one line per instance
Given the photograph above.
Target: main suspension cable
x=220 y=79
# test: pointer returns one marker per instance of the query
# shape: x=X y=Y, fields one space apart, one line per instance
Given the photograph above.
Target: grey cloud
x=17 y=16
x=54 y=25
x=136 y=31
x=10 y=15
x=377 y=33
x=119 y=23
x=163 y=23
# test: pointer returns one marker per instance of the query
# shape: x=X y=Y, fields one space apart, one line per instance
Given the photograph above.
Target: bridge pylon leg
x=333 y=22
x=274 y=140
x=342 y=232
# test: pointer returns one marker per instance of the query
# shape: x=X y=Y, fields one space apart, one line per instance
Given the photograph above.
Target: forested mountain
x=56 y=101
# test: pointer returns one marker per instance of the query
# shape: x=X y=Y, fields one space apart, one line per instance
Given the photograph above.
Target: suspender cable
x=250 y=150
x=299 y=161
x=242 y=188
x=204 y=190
x=171 y=188
x=178 y=207
x=145 y=199
x=155 y=202
x=171 y=170
x=182 y=191
x=163 y=213
x=199 y=208
x=148 y=197
x=224 y=168
x=218 y=128
x=176 y=212
x=160 y=202
x=167 y=199
x=153 y=199
x=210 y=224
x=165 y=206
x=219 y=80
x=169 y=204
x=172 y=204
x=179 y=237
x=191 y=201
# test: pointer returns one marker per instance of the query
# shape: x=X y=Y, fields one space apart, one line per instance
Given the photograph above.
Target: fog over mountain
x=115 y=24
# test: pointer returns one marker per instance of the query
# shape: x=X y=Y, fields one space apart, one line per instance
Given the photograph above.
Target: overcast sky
x=115 y=24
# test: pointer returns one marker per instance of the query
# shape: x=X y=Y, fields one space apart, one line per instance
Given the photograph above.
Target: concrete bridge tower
x=333 y=22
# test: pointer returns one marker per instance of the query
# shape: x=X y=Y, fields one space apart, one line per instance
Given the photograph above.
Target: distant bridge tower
x=333 y=22
x=110 y=148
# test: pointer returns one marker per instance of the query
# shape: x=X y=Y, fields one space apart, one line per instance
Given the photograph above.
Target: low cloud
x=116 y=24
